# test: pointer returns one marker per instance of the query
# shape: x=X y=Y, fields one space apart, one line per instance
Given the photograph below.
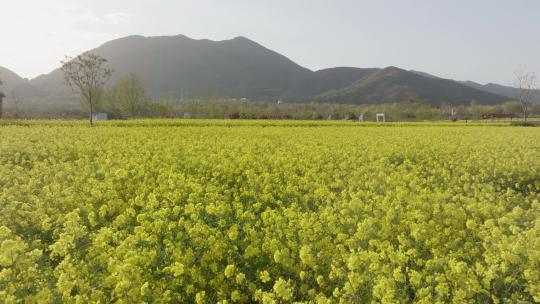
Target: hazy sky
x=481 y=40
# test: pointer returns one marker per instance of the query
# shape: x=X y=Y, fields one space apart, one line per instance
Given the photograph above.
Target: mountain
x=498 y=89
x=506 y=91
x=424 y=74
x=14 y=84
x=393 y=84
x=178 y=66
x=9 y=77
x=326 y=80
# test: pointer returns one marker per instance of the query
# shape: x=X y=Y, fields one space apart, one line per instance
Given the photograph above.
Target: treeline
x=406 y=111
x=127 y=99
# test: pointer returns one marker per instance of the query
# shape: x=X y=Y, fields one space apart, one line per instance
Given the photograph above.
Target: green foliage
x=200 y=211
x=235 y=109
x=127 y=98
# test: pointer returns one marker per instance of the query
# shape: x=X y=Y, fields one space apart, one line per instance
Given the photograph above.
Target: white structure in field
x=361 y=117
x=99 y=116
x=381 y=117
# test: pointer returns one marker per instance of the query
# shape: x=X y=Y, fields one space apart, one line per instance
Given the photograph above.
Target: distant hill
x=424 y=74
x=14 y=84
x=9 y=77
x=397 y=85
x=178 y=66
x=326 y=80
x=506 y=91
x=494 y=88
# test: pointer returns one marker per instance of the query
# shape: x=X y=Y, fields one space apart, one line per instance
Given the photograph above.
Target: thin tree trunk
x=91 y=113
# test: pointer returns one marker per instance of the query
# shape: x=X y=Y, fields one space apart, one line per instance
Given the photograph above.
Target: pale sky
x=480 y=40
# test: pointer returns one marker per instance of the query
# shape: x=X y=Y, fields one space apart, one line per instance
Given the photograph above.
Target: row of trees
x=87 y=74
x=406 y=111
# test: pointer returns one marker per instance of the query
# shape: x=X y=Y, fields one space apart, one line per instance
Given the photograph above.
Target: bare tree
x=525 y=84
x=86 y=73
x=2 y=95
x=16 y=102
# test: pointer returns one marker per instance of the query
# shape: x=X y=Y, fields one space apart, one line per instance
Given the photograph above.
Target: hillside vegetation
x=397 y=85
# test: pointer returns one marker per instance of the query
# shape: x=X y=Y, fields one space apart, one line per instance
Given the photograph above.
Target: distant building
x=381 y=117
x=187 y=115
x=99 y=116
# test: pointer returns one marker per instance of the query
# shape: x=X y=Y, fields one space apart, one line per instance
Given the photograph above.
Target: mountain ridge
x=15 y=85
x=499 y=89
x=490 y=87
x=393 y=84
x=181 y=67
